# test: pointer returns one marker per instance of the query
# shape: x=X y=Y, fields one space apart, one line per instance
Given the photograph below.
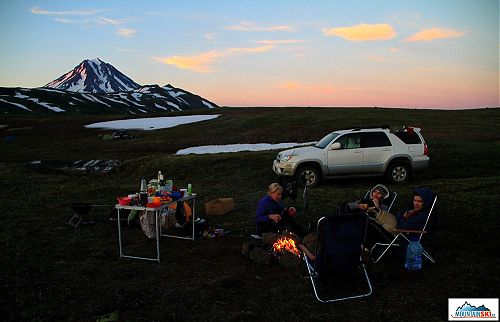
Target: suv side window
x=408 y=137
x=375 y=139
x=350 y=141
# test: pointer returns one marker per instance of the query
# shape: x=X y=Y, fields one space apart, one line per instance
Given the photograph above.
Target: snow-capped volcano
x=95 y=87
x=94 y=76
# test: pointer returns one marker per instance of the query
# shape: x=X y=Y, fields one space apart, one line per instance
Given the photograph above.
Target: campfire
x=285 y=244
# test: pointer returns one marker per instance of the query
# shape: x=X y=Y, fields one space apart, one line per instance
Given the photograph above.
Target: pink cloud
x=435 y=33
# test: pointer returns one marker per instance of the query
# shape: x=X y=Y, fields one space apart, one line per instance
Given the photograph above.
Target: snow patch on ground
x=229 y=148
x=151 y=123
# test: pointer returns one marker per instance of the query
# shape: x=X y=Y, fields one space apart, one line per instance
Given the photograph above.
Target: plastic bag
x=147 y=219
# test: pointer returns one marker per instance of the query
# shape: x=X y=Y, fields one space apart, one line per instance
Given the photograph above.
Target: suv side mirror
x=335 y=146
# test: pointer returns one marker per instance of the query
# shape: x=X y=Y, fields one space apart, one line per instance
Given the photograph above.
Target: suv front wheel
x=398 y=172
x=308 y=175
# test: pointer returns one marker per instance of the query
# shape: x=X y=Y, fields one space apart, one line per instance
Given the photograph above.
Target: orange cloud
x=435 y=33
x=203 y=62
x=249 y=26
x=200 y=63
x=363 y=32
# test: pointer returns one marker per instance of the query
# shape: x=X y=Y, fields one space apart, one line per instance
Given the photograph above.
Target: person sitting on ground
x=273 y=217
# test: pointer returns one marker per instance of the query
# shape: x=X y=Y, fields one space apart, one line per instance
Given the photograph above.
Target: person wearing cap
x=374 y=202
x=272 y=216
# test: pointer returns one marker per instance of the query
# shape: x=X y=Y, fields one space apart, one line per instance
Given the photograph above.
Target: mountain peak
x=94 y=76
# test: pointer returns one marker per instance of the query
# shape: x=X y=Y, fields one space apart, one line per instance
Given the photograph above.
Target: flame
x=285 y=243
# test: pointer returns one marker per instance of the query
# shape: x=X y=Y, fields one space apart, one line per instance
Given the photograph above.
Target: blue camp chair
x=338 y=257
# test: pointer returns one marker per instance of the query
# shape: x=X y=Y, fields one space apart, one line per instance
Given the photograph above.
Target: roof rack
x=370 y=127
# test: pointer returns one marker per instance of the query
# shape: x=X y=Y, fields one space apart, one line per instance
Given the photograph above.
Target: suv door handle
x=358 y=151
x=387 y=149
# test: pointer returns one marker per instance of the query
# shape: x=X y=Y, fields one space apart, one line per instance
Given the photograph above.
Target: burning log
x=306 y=252
x=289 y=244
x=286 y=244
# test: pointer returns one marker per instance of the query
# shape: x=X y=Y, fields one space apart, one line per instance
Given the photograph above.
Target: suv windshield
x=326 y=140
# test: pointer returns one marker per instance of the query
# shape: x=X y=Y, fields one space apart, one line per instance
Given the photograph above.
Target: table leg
x=119 y=235
x=157 y=236
x=194 y=215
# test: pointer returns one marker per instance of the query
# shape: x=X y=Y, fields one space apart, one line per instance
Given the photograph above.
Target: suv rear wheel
x=398 y=172
x=308 y=175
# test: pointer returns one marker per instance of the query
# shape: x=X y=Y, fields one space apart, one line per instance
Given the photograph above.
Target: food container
x=124 y=201
x=153 y=205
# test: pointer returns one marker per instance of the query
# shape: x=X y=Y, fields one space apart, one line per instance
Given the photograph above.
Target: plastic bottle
x=143 y=195
x=169 y=184
x=414 y=256
x=161 y=184
x=189 y=189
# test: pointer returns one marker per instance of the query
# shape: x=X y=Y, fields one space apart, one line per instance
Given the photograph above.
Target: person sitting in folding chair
x=273 y=217
x=373 y=200
x=411 y=220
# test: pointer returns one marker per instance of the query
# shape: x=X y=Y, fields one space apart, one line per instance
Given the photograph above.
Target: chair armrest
x=396 y=231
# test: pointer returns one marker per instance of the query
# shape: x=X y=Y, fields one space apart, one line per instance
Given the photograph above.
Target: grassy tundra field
x=52 y=271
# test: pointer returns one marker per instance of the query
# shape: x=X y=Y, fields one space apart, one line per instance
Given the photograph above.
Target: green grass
x=50 y=271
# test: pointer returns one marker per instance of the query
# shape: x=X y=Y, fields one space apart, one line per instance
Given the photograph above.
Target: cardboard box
x=219 y=206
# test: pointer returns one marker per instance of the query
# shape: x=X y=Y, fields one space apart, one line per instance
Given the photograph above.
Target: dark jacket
x=417 y=221
x=266 y=207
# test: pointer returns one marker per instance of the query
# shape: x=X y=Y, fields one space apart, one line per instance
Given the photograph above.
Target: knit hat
x=382 y=189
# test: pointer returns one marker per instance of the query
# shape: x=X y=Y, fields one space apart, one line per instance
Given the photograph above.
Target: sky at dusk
x=393 y=53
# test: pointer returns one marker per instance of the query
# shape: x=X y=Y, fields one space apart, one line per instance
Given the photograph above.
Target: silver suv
x=360 y=151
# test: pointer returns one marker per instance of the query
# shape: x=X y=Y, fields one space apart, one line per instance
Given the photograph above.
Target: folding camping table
x=157 y=211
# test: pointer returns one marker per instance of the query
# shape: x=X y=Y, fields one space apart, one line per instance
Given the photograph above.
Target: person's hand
x=363 y=206
x=375 y=202
x=275 y=217
x=292 y=211
x=409 y=213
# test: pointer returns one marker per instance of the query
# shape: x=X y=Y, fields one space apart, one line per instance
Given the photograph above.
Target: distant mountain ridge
x=94 y=76
x=96 y=87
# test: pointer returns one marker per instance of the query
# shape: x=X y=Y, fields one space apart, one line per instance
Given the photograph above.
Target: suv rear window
x=374 y=139
x=408 y=137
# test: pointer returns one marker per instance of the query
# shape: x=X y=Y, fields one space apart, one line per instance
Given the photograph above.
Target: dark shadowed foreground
x=52 y=271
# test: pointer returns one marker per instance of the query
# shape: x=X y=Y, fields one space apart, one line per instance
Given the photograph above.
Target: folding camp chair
x=338 y=257
x=402 y=233
x=80 y=210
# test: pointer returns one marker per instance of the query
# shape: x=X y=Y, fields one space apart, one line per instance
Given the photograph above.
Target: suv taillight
x=426 y=149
